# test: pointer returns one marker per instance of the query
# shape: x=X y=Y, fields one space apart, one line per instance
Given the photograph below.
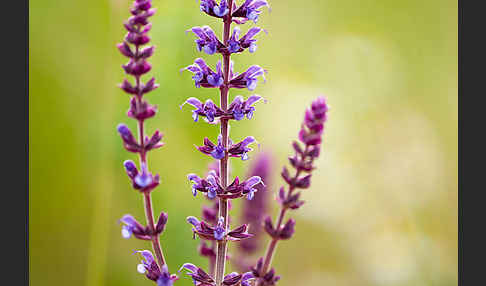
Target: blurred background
x=382 y=209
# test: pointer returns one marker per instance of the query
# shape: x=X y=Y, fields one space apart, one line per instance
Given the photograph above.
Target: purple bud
x=303 y=183
x=131 y=169
x=288 y=229
x=161 y=222
x=125 y=50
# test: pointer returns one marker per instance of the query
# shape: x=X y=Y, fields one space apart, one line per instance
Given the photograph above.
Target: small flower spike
x=204 y=76
x=311 y=135
x=248 y=79
x=249 y=10
x=236 y=45
x=207 y=232
x=207 y=41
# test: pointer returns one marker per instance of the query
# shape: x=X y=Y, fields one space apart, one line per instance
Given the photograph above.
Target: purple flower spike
x=219 y=231
x=249 y=10
x=248 y=79
x=205 y=76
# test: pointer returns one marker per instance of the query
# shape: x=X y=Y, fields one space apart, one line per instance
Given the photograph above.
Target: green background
x=382 y=209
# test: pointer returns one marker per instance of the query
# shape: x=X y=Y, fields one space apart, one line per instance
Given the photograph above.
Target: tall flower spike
x=224 y=78
x=133 y=47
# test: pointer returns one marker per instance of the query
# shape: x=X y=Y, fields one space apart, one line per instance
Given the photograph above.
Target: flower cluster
x=201 y=278
x=218 y=152
x=246 y=11
x=133 y=47
x=212 y=188
x=237 y=110
x=204 y=76
x=217 y=232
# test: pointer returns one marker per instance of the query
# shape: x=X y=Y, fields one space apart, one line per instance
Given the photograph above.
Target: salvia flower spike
x=310 y=136
x=135 y=48
x=217 y=185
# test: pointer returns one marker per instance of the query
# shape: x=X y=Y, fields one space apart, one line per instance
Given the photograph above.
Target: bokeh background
x=382 y=209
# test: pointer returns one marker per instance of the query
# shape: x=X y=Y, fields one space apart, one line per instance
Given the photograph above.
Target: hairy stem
x=223 y=167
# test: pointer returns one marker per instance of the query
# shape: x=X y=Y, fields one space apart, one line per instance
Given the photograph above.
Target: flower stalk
x=222 y=248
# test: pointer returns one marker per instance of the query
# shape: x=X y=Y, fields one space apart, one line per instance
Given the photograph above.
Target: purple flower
x=212 y=8
x=208 y=109
x=241 y=149
x=237 y=189
x=209 y=185
x=207 y=232
x=249 y=10
x=165 y=278
x=239 y=108
x=198 y=275
x=248 y=79
x=144 y=181
x=148 y=266
x=207 y=40
x=141 y=110
x=209 y=148
x=205 y=76
x=236 y=45
x=131 y=226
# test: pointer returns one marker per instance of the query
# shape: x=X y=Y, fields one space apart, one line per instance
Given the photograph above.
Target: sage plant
x=134 y=47
x=223 y=78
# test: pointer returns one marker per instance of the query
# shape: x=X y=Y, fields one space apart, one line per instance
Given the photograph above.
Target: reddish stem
x=221 y=249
